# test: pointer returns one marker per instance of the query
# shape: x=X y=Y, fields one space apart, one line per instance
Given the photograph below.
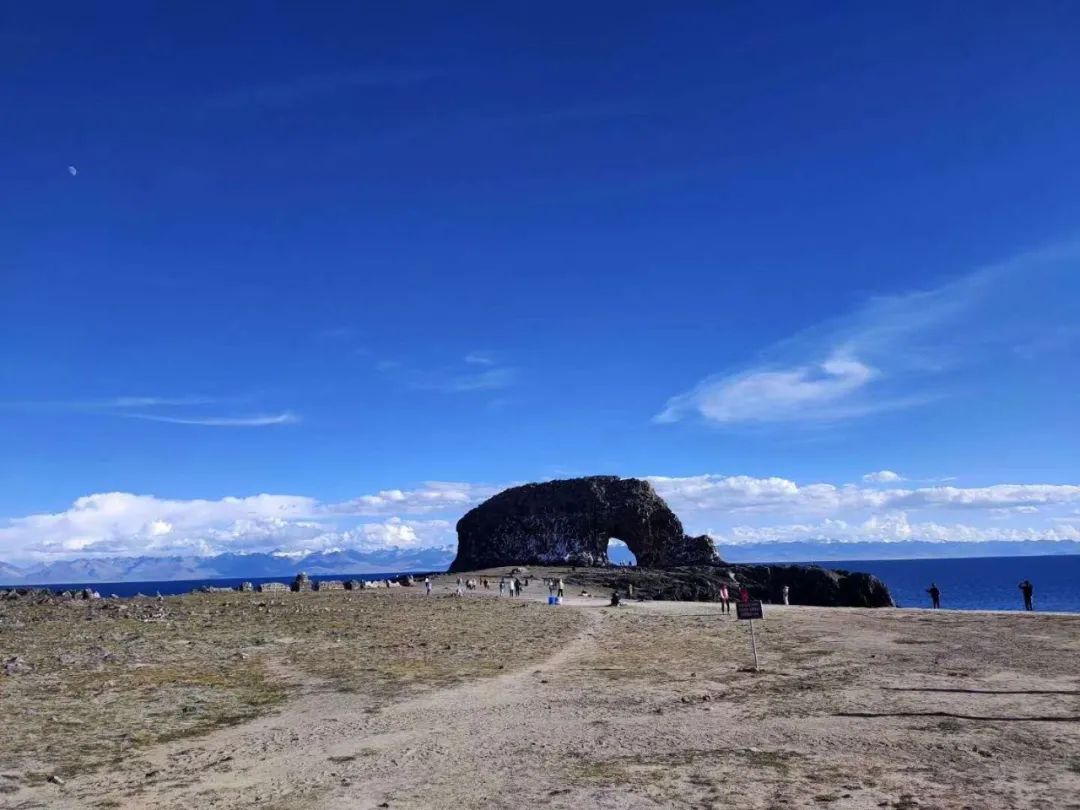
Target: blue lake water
x=980 y=583
x=175 y=586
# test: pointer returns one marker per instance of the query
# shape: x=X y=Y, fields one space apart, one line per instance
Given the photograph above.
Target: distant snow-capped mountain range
x=225 y=566
x=391 y=560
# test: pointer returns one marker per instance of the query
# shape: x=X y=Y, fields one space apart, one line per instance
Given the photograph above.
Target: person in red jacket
x=744 y=595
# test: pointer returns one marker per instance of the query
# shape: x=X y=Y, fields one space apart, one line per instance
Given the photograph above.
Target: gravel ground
x=396 y=699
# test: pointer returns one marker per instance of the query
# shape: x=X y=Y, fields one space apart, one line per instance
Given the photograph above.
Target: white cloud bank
x=121 y=523
x=735 y=509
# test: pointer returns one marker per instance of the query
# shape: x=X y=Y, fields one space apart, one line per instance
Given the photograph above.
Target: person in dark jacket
x=935 y=595
x=1027 y=589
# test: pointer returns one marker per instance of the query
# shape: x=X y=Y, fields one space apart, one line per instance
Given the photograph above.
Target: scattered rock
x=17 y=665
x=809 y=584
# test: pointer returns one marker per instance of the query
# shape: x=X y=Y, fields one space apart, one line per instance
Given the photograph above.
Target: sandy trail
x=650 y=706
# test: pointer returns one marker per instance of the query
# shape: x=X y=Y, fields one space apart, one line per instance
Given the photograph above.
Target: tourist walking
x=725 y=600
x=517 y=585
x=1027 y=589
x=561 y=589
x=502 y=586
x=427 y=585
x=787 y=595
x=513 y=590
x=935 y=595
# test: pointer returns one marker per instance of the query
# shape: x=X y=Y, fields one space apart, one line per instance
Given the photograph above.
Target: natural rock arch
x=572 y=521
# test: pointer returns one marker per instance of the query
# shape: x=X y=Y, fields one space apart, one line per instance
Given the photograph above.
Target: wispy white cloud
x=257 y=420
x=489 y=380
x=116 y=403
x=481 y=373
x=147 y=409
x=480 y=358
x=890 y=352
x=296 y=90
x=882 y=477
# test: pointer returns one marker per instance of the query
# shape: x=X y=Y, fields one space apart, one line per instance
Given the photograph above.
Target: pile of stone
x=330 y=585
x=265 y=587
x=246 y=587
x=302 y=583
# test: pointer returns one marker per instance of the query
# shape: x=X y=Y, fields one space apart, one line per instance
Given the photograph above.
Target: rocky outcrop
x=571 y=521
x=808 y=584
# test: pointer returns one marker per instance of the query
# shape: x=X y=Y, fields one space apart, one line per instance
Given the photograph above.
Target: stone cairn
x=302 y=583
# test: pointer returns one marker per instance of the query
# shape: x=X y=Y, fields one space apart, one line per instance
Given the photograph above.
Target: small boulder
x=17 y=665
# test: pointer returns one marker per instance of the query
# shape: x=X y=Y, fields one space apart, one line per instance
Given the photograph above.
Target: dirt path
x=325 y=747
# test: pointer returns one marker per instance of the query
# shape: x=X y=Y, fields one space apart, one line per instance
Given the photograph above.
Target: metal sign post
x=749 y=611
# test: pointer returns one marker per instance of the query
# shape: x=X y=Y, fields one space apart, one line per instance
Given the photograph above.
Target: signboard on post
x=749 y=611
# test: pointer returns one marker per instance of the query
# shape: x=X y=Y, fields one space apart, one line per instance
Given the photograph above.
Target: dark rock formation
x=571 y=521
x=809 y=584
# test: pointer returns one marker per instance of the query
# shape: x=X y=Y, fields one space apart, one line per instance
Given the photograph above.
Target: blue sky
x=326 y=253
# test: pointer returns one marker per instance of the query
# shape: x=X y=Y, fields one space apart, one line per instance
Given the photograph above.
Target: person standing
x=510 y=585
x=1027 y=589
x=561 y=588
x=935 y=595
x=427 y=585
x=725 y=600
x=502 y=586
x=787 y=595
